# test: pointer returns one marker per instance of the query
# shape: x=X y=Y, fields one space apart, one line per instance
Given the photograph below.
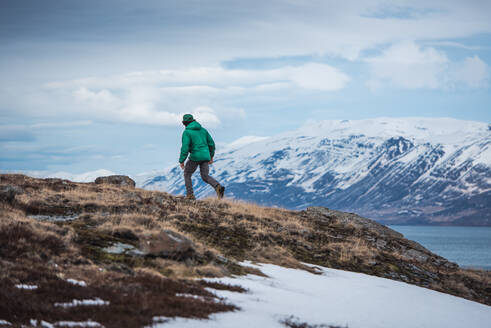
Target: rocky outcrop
x=123 y=230
x=324 y=213
x=118 y=180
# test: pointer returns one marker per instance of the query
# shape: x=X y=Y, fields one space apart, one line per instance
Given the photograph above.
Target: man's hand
x=181 y=165
x=211 y=161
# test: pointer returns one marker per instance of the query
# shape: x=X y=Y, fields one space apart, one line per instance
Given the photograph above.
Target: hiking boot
x=220 y=191
x=190 y=197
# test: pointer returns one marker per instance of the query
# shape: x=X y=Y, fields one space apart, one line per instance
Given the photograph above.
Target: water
x=466 y=246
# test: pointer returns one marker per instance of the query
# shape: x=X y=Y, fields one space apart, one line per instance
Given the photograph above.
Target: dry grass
x=222 y=232
x=477 y=274
x=210 y=271
x=356 y=249
x=130 y=221
x=21 y=236
x=46 y=254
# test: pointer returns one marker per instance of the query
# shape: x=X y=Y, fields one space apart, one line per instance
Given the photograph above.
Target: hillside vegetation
x=138 y=252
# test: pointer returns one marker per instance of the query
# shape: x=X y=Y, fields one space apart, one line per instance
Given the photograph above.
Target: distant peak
x=245 y=140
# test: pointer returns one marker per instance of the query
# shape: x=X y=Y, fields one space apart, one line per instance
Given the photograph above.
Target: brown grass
x=223 y=232
x=133 y=300
x=356 y=249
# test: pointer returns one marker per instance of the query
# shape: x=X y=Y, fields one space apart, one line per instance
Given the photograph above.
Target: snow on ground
x=73 y=303
x=28 y=287
x=339 y=298
x=77 y=282
x=88 y=323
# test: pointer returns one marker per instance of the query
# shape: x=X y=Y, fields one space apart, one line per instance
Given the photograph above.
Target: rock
x=133 y=196
x=422 y=272
x=168 y=244
x=222 y=259
x=380 y=243
x=121 y=248
x=451 y=265
x=118 y=180
x=415 y=255
x=329 y=215
x=8 y=193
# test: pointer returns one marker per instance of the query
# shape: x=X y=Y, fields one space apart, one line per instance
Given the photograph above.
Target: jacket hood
x=193 y=126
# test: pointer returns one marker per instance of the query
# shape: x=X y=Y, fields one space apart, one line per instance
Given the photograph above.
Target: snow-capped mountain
x=407 y=170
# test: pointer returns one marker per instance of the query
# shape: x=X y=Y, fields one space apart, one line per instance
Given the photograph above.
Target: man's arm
x=211 y=145
x=184 y=148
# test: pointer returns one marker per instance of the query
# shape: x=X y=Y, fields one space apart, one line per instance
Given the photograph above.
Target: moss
x=167 y=272
x=92 y=242
x=231 y=240
x=393 y=267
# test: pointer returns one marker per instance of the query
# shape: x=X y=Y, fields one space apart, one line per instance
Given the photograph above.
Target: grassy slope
x=220 y=234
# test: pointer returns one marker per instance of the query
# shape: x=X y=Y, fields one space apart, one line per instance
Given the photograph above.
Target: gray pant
x=204 y=170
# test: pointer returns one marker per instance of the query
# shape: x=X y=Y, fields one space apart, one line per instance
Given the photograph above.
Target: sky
x=88 y=85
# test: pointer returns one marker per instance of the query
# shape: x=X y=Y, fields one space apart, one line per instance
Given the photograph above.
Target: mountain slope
x=411 y=170
x=118 y=256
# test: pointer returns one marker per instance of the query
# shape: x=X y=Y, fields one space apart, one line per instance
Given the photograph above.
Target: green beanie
x=187 y=118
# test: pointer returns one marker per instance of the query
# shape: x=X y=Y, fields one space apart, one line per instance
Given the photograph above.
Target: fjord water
x=466 y=246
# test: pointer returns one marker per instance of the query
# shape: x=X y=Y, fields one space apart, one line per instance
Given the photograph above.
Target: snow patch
x=43 y=323
x=88 y=323
x=202 y=298
x=54 y=218
x=244 y=141
x=89 y=302
x=77 y=282
x=27 y=287
x=337 y=298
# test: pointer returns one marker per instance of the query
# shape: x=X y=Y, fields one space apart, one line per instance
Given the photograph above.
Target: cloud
x=103 y=97
x=206 y=115
x=411 y=66
x=472 y=72
x=15 y=133
x=162 y=97
x=206 y=80
x=318 y=77
x=181 y=34
x=60 y=125
x=406 y=65
x=452 y=44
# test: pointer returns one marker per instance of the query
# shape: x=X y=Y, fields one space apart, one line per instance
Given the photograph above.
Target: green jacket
x=197 y=141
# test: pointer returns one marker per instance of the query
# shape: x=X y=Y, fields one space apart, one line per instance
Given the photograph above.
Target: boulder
x=168 y=244
x=118 y=180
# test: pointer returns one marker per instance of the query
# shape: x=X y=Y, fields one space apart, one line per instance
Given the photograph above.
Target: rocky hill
x=396 y=171
x=137 y=252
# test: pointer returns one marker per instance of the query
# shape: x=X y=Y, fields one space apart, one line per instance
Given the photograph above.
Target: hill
x=138 y=252
x=396 y=171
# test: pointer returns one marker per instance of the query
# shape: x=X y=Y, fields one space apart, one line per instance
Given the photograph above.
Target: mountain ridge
x=396 y=171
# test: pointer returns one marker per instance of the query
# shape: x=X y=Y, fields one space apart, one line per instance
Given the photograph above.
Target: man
x=198 y=142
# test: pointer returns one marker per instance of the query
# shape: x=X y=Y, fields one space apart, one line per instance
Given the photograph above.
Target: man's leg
x=204 y=170
x=189 y=169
